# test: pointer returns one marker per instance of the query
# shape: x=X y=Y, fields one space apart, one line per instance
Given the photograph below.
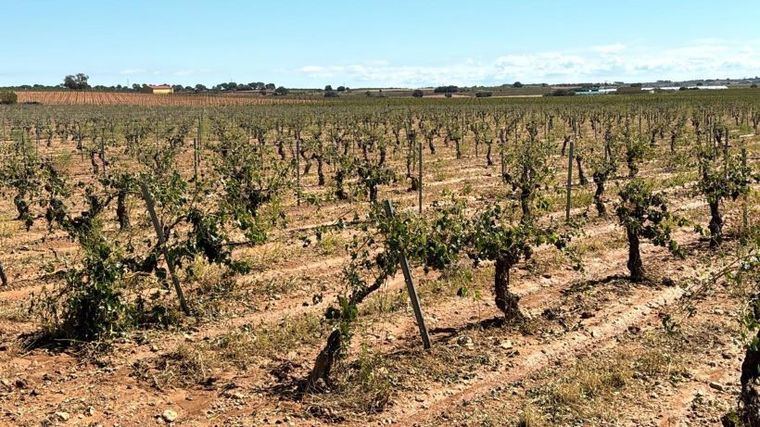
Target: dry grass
x=191 y=364
x=592 y=388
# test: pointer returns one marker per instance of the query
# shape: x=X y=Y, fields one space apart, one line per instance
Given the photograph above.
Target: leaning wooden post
x=568 y=200
x=162 y=242
x=410 y=289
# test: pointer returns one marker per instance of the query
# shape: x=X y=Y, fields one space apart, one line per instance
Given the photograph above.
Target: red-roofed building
x=158 y=89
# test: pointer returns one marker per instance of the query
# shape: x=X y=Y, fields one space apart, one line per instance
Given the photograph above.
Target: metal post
x=410 y=288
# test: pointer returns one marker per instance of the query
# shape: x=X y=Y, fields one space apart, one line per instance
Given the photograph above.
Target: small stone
x=169 y=415
x=63 y=416
x=233 y=395
x=506 y=344
x=90 y=411
x=466 y=342
x=717 y=386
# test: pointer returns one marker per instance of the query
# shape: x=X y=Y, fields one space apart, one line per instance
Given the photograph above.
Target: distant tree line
x=80 y=81
x=446 y=89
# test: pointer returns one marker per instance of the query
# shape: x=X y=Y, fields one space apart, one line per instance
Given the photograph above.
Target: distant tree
x=753 y=86
x=483 y=94
x=178 y=88
x=281 y=91
x=328 y=88
x=200 y=88
x=446 y=89
x=517 y=84
x=341 y=88
x=7 y=97
x=417 y=93
x=76 y=82
x=269 y=86
x=136 y=87
x=331 y=94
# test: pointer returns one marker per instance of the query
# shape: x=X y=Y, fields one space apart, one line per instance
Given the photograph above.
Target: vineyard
x=145 y=100
x=212 y=260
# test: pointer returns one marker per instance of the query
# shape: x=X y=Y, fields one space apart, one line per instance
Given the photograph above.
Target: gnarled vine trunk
x=635 y=266
x=506 y=301
x=716 y=224
x=599 y=180
x=122 y=213
x=581 y=174
x=3 y=277
x=319 y=377
x=750 y=381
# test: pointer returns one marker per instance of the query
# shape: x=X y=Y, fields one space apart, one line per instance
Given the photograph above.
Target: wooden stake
x=195 y=161
x=298 y=170
x=410 y=289
x=162 y=242
x=745 y=208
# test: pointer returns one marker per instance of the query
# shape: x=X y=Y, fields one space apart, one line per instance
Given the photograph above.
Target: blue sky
x=367 y=43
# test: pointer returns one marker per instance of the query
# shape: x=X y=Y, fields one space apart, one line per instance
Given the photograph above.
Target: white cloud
x=702 y=58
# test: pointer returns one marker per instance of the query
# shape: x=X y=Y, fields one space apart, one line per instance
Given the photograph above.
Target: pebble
x=169 y=415
x=466 y=342
x=717 y=386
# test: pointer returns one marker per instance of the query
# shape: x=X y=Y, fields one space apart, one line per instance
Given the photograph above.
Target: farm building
x=596 y=91
x=158 y=89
